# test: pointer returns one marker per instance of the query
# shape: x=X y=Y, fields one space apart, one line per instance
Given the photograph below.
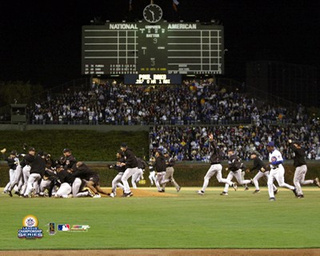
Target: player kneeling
x=91 y=178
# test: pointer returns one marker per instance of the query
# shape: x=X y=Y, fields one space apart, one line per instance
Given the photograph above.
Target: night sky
x=40 y=41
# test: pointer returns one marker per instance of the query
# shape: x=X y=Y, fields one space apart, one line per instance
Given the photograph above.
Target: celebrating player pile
x=34 y=174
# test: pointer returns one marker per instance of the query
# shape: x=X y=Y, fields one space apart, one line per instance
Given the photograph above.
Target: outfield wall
x=98 y=128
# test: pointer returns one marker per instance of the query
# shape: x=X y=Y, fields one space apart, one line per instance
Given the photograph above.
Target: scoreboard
x=144 y=48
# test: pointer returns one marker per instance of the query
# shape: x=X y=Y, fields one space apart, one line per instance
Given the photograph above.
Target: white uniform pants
x=64 y=190
x=116 y=182
x=16 y=179
x=152 y=177
x=237 y=175
x=11 y=179
x=126 y=175
x=215 y=169
x=299 y=178
x=33 y=180
x=136 y=177
x=258 y=176
x=44 y=184
x=159 y=179
x=25 y=173
x=277 y=174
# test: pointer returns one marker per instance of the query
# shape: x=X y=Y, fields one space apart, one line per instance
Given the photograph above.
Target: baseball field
x=171 y=220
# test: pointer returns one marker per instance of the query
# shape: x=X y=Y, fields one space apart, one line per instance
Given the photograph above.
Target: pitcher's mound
x=148 y=193
x=140 y=192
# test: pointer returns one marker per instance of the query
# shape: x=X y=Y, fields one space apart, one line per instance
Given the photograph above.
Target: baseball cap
x=32 y=149
x=123 y=145
x=270 y=144
x=66 y=150
x=13 y=152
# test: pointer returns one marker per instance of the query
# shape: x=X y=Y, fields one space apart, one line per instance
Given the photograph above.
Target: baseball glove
x=3 y=150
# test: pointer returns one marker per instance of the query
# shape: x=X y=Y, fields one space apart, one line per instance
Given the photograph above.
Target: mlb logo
x=63 y=227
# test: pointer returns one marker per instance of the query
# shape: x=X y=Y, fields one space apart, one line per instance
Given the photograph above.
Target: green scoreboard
x=152 y=48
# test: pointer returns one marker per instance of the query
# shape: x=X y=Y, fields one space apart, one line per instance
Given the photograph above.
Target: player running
x=300 y=164
x=263 y=171
x=277 y=171
x=215 y=168
x=235 y=166
x=170 y=162
x=131 y=164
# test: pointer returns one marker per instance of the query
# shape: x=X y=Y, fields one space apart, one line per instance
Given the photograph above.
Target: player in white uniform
x=276 y=171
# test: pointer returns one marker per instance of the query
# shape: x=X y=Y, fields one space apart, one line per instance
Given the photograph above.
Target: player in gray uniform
x=215 y=168
x=235 y=166
x=170 y=162
x=300 y=164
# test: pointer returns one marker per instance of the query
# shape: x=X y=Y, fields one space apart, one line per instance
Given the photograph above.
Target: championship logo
x=30 y=228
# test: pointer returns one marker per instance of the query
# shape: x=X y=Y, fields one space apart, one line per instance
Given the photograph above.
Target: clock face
x=152 y=13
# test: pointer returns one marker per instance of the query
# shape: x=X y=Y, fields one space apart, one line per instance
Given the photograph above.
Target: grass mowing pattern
x=240 y=220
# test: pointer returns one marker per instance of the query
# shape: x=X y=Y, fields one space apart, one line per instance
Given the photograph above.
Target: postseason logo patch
x=30 y=228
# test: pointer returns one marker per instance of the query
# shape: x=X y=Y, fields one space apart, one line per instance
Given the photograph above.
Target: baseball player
x=65 y=180
x=137 y=176
x=68 y=161
x=37 y=170
x=300 y=164
x=263 y=171
x=131 y=164
x=160 y=167
x=152 y=173
x=14 y=167
x=235 y=166
x=170 y=162
x=91 y=178
x=26 y=166
x=116 y=182
x=277 y=171
x=215 y=168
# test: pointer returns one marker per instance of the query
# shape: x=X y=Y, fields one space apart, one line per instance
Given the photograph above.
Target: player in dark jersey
x=234 y=166
x=300 y=164
x=91 y=178
x=216 y=167
x=263 y=171
x=116 y=182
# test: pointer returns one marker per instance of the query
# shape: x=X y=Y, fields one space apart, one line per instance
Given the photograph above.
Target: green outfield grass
x=186 y=220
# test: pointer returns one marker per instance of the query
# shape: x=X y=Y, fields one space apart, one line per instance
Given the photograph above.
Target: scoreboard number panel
x=137 y=48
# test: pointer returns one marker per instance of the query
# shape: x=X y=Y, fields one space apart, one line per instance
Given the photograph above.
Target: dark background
x=40 y=41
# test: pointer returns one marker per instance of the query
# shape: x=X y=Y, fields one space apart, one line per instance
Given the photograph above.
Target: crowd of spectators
x=191 y=143
x=182 y=116
x=191 y=103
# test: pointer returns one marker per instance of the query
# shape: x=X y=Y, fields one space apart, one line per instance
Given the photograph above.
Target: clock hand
x=152 y=14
